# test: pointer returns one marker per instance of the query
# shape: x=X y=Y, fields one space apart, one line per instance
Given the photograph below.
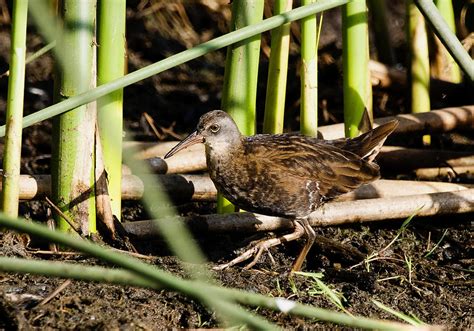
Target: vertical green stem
x=450 y=70
x=277 y=73
x=309 y=74
x=357 y=86
x=384 y=47
x=16 y=84
x=241 y=73
x=73 y=132
x=111 y=65
x=420 y=68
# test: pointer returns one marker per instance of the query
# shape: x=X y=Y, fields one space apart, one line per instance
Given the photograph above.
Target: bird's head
x=216 y=129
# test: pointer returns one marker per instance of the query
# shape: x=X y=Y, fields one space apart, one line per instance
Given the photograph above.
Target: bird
x=287 y=175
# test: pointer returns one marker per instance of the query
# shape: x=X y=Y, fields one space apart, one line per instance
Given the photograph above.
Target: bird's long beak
x=192 y=139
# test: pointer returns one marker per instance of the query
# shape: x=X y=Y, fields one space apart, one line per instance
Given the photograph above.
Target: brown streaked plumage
x=287 y=175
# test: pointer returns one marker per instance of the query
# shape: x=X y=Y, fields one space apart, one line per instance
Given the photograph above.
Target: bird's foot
x=257 y=250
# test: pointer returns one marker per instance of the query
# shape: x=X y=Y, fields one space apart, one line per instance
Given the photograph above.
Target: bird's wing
x=333 y=170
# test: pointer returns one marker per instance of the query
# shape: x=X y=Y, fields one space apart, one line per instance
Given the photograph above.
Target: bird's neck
x=220 y=156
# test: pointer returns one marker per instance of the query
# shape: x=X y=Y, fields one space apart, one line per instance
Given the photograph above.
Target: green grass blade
x=403 y=317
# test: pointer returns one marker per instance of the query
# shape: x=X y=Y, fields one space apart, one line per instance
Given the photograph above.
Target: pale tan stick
x=184 y=188
x=385 y=76
x=440 y=120
x=331 y=214
x=398 y=159
x=435 y=121
x=391 y=158
x=392 y=188
x=71 y=222
x=148 y=150
x=192 y=161
x=444 y=172
x=58 y=290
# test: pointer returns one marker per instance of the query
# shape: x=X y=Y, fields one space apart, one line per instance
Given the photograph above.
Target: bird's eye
x=214 y=128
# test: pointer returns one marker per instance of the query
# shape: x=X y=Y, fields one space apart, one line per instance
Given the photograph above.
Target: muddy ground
x=426 y=272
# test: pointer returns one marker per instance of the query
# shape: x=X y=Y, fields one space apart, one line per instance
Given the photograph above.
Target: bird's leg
x=259 y=248
x=310 y=236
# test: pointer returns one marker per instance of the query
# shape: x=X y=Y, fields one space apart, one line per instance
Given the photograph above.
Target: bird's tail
x=368 y=145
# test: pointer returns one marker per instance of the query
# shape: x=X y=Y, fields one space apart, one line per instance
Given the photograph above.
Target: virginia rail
x=287 y=175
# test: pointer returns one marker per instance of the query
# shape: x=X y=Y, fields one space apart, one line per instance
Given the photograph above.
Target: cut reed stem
x=74 y=131
x=111 y=65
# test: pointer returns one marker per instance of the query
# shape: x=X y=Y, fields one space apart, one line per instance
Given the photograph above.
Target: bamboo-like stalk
x=447 y=37
x=382 y=36
x=111 y=65
x=73 y=132
x=357 y=86
x=169 y=62
x=16 y=83
x=127 y=278
x=419 y=63
x=277 y=73
x=447 y=69
x=309 y=74
x=239 y=93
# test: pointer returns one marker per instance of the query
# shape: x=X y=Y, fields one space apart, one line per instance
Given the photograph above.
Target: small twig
x=134 y=254
x=66 y=218
x=169 y=131
x=151 y=123
x=60 y=253
x=437 y=244
x=58 y=290
x=51 y=225
x=137 y=255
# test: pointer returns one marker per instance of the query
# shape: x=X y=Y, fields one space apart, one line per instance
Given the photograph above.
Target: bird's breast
x=253 y=187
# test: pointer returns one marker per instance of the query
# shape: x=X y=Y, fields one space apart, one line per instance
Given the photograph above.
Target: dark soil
x=426 y=272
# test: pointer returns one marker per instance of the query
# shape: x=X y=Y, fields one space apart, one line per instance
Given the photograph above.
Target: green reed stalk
x=357 y=86
x=128 y=278
x=447 y=37
x=41 y=17
x=16 y=84
x=450 y=70
x=111 y=65
x=384 y=47
x=309 y=74
x=239 y=93
x=73 y=132
x=419 y=62
x=277 y=73
x=196 y=290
